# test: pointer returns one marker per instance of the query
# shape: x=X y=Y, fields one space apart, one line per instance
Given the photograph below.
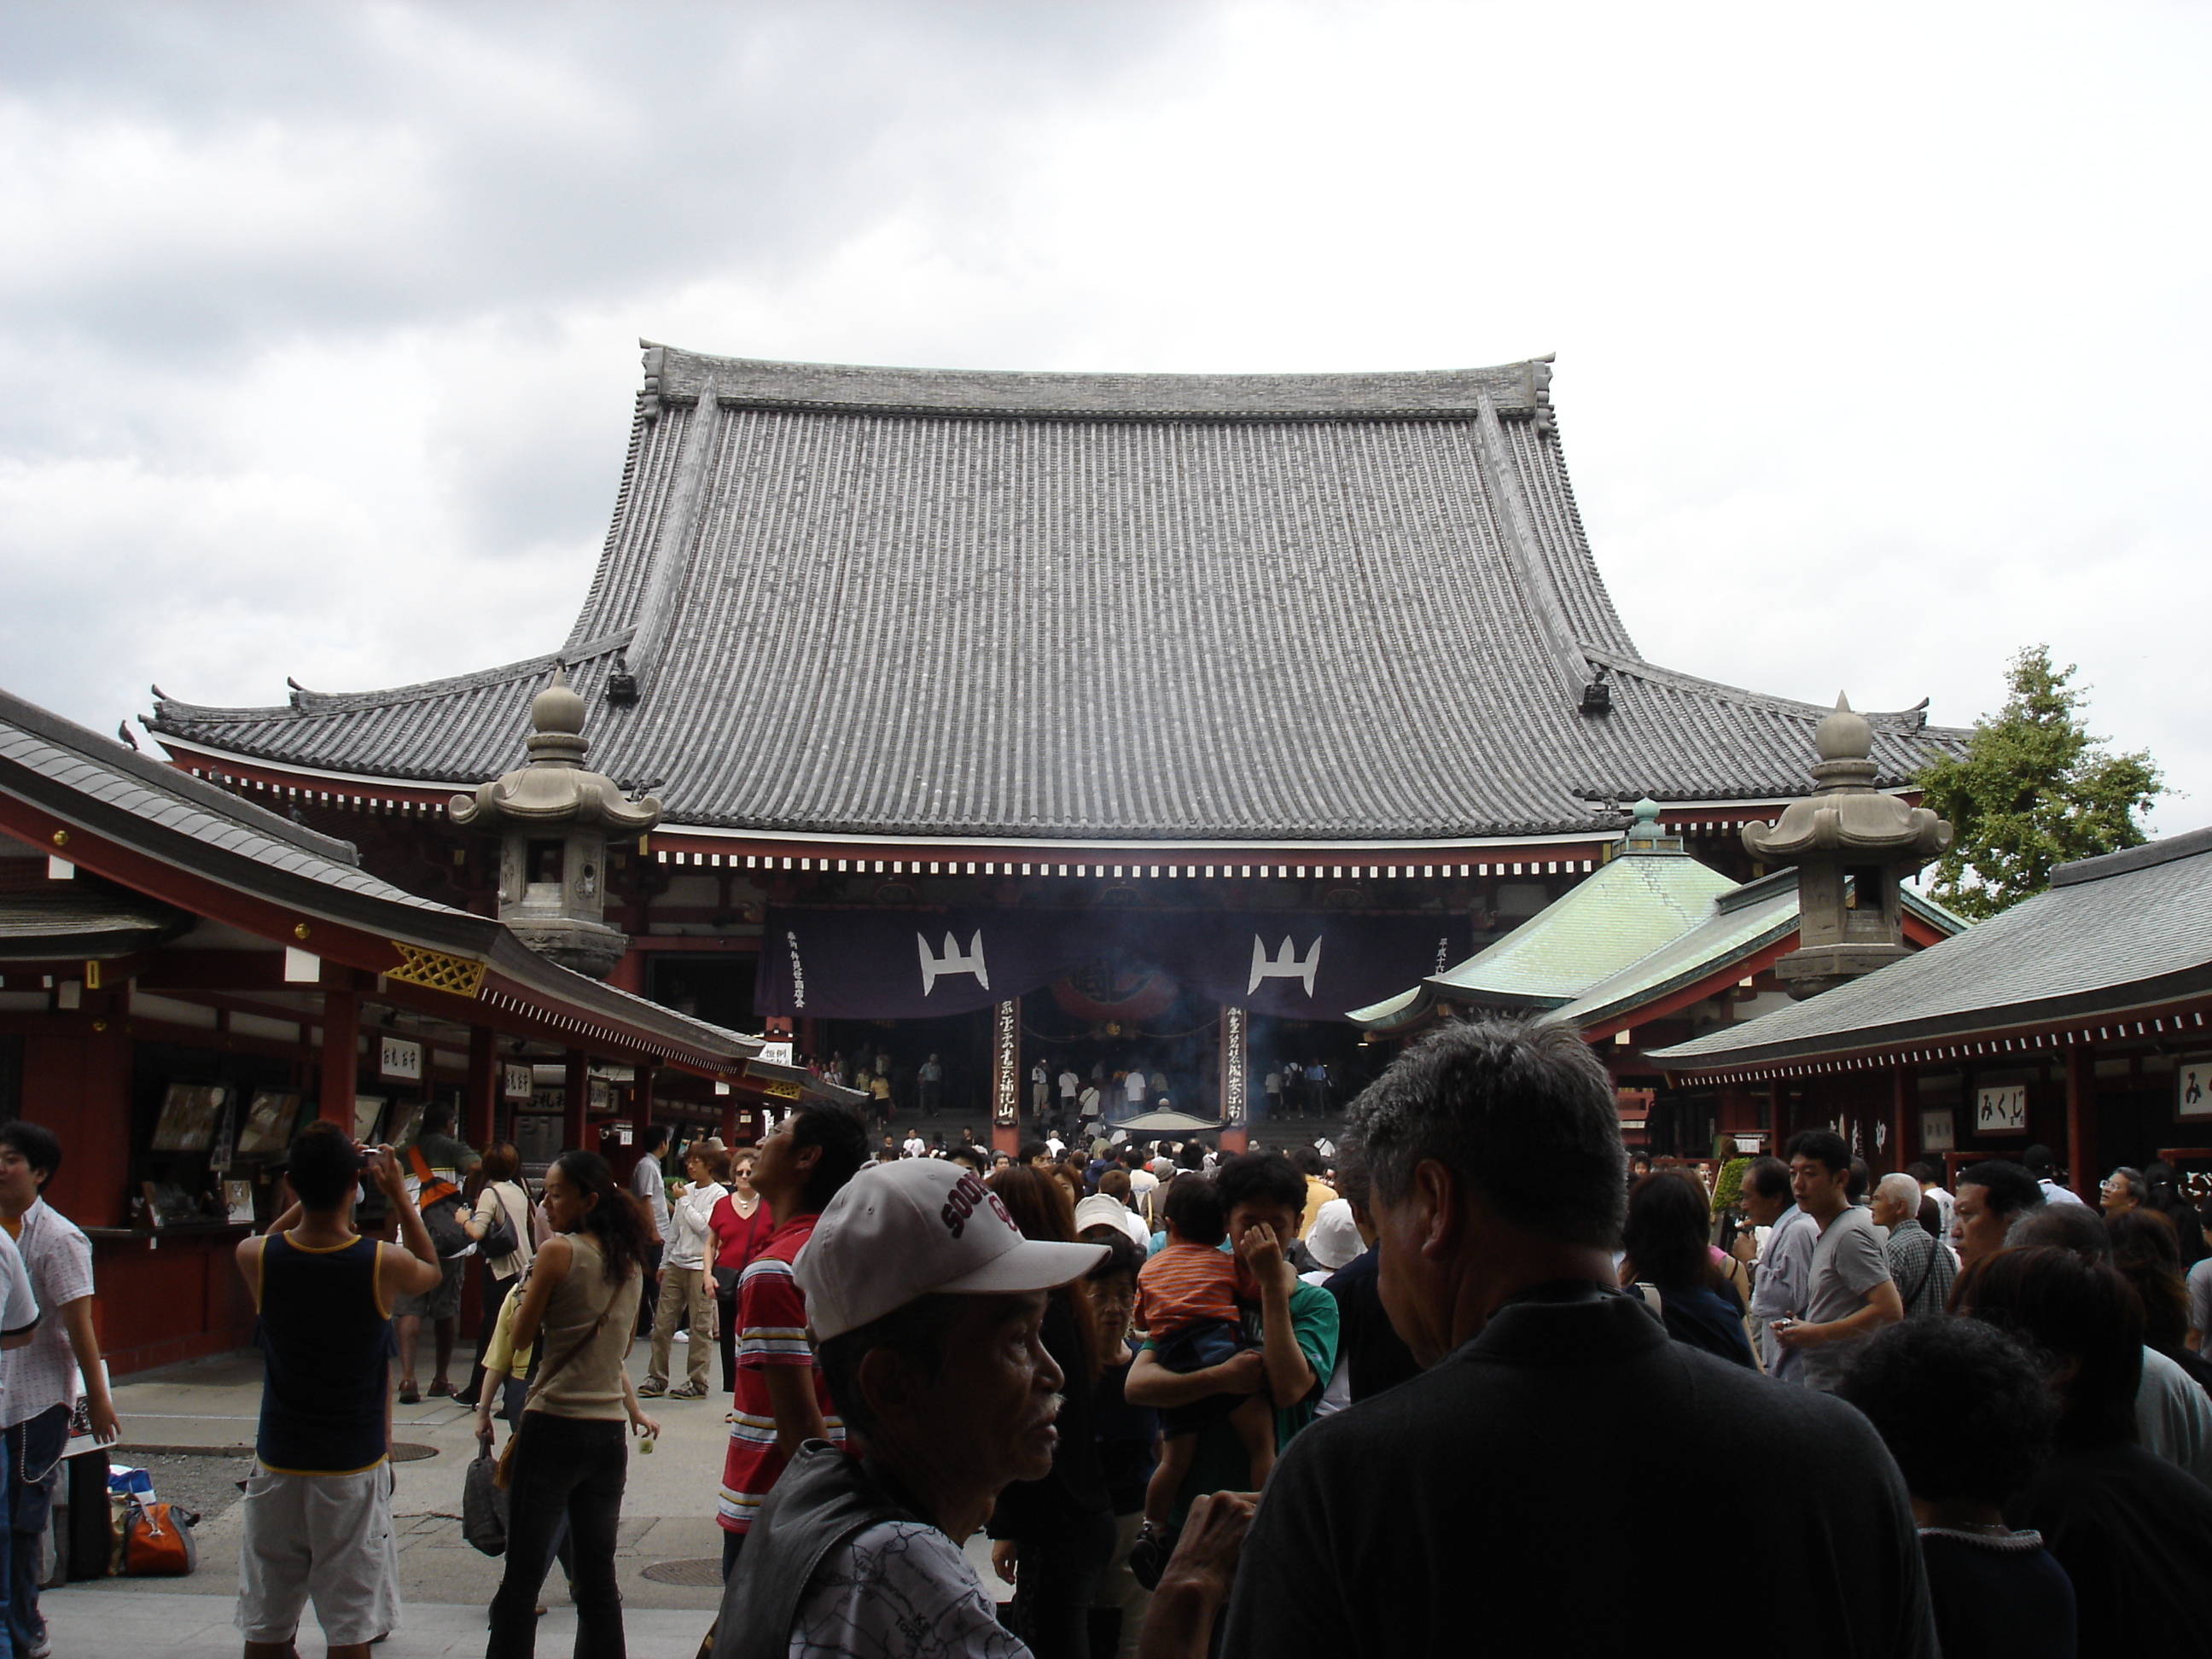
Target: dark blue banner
x=879 y=964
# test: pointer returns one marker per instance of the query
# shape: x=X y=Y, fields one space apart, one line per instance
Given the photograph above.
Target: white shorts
x=325 y=1536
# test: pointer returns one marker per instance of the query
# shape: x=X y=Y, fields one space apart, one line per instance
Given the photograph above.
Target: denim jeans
x=571 y=1466
x=34 y=1468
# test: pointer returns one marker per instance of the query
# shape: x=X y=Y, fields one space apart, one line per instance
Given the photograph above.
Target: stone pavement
x=445 y=1586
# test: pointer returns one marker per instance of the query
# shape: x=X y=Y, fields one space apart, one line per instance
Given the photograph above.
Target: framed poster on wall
x=1938 y=1133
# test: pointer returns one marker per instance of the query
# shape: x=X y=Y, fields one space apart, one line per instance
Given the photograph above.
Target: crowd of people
x=1428 y=1384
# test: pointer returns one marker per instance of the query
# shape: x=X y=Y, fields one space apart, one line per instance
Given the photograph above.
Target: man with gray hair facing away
x=1920 y=1265
x=1481 y=1501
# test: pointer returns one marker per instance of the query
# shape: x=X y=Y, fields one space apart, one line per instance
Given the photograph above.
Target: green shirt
x=449 y=1160
x=1220 y=1464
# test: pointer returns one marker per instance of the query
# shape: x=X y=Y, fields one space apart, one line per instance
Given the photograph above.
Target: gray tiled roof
x=2130 y=930
x=85 y=778
x=1240 y=607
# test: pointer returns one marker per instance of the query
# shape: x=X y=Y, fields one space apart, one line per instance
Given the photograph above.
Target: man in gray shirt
x=1850 y=1294
x=1785 y=1263
x=650 y=1189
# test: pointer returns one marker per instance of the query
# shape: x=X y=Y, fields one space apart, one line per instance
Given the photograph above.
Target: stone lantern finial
x=555 y=819
x=1852 y=845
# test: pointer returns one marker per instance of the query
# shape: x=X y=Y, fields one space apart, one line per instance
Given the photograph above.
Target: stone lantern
x=1852 y=845
x=555 y=820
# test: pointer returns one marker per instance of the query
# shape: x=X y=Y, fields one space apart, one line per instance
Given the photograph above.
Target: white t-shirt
x=19 y=1311
x=1091 y=1103
x=2173 y=1416
x=1068 y=1084
x=1055 y=1144
x=1133 y=1086
x=645 y=1181
x=2200 y=1297
x=898 y=1588
x=913 y=1146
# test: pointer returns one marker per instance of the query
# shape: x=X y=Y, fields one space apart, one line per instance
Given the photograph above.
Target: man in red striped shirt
x=780 y=1399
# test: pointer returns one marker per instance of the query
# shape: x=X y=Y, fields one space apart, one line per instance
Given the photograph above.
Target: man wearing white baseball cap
x=925 y=1301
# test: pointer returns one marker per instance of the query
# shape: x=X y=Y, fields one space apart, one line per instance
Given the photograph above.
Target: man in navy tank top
x=318 y=1509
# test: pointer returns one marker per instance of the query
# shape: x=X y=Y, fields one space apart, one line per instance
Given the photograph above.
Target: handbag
x=483 y=1504
x=503 y=1476
x=499 y=1241
x=157 y=1540
x=447 y=1236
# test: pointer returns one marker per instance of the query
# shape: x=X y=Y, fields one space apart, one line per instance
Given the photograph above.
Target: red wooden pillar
x=729 y=1130
x=641 y=1100
x=341 y=1064
x=476 y=1127
x=576 y=1094
x=2080 y=1121
x=628 y=974
x=1904 y=1117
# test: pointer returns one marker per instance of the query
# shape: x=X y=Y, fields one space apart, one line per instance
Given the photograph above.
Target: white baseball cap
x=921 y=1227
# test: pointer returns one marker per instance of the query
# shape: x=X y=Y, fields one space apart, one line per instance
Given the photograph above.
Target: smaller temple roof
x=156 y=816
x=2131 y=930
x=1632 y=906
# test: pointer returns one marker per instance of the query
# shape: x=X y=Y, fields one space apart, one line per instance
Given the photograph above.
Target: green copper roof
x=1629 y=909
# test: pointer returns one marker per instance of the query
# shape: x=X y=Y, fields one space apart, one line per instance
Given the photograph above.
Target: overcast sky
x=1882 y=330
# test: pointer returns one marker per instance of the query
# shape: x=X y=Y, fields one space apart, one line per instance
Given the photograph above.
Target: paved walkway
x=445 y=1585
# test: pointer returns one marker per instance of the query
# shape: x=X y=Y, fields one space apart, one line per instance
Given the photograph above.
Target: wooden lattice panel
x=435 y=970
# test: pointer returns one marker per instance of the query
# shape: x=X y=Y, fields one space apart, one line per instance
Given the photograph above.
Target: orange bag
x=157 y=1540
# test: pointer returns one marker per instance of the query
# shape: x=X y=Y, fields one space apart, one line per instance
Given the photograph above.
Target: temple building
x=2080 y=1019
x=1108 y=724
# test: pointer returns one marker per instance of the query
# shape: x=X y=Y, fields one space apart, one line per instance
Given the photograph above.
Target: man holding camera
x=317 y=1508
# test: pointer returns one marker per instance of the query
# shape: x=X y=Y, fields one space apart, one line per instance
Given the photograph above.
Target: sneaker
x=1148 y=1555
x=689 y=1391
x=650 y=1390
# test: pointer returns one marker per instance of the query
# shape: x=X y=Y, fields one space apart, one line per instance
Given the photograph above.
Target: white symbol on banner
x=935 y=968
x=1284 y=965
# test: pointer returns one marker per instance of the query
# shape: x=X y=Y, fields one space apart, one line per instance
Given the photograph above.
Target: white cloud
x=1879 y=330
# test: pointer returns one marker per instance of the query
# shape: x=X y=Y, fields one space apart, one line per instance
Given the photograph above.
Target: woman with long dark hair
x=1054 y=1537
x=579 y=1310
x=1669 y=1261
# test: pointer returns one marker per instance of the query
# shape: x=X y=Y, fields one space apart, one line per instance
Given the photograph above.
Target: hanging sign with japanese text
x=400 y=1059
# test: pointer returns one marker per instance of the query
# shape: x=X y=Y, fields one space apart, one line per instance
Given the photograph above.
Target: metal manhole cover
x=705 y=1574
x=412 y=1451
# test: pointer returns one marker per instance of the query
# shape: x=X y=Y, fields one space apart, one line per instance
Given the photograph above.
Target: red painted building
x=184 y=977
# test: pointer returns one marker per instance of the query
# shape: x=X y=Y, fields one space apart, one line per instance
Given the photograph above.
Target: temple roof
x=2124 y=932
x=155 y=814
x=1244 y=608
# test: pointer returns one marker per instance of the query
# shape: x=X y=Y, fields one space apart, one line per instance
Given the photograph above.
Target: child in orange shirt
x=1187 y=1305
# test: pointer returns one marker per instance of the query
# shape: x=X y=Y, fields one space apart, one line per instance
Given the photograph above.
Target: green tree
x=2032 y=791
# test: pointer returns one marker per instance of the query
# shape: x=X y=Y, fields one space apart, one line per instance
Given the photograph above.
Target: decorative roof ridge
x=304 y=701
x=674 y=375
x=2191 y=843
x=1912 y=721
x=1758 y=890
x=145 y=770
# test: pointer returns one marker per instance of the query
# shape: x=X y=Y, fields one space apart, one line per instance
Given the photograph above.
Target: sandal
x=689 y=1391
x=408 y=1394
x=651 y=1390
x=441 y=1390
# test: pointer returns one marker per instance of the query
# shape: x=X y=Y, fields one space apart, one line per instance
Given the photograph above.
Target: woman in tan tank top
x=579 y=1308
